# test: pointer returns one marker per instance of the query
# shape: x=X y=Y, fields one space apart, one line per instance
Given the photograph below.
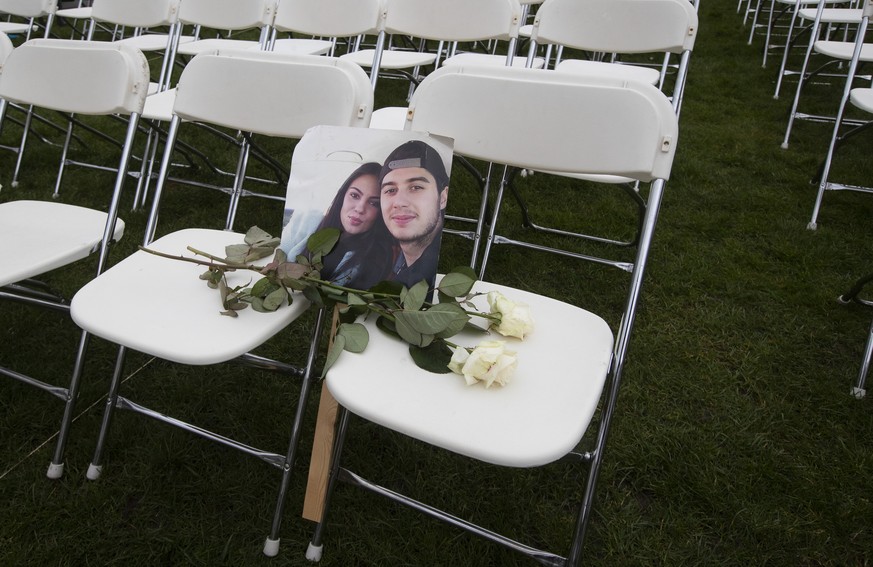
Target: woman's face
x=361 y=205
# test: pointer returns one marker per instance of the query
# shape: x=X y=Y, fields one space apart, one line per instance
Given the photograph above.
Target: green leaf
x=437 y=319
x=355 y=299
x=412 y=299
x=313 y=296
x=274 y=299
x=386 y=325
x=323 y=241
x=256 y=234
x=406 y=331
x=458 y=319
x=336 y=349
x=263 y=287
x=355 y=335
x=458 y=282
x=433 y=358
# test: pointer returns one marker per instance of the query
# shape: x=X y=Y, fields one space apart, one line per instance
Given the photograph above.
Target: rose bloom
x=489 y=362
x=515 y=318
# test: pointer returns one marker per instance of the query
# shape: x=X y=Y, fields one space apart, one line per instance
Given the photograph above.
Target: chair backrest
x=136 y=13
x=227 y=14
x=328 y=18
x=285 y=93
x=453 y=20
x=6 y=48
x=617 y=26
x=76 y=76
x=28 y=8
x=589 y=125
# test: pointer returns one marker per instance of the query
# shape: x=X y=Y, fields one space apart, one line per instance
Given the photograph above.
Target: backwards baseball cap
x=416 y=153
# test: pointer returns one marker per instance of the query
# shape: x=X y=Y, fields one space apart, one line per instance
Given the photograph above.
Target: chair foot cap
x=313 y=552
x=55 y=471
x=271 y=547
x=94 y=471
x=858 y=393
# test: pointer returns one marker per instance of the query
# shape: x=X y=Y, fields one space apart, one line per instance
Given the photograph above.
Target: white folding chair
x=447 y=23
x=317 y=25
x=88 y=78
x=230 y=16
x=582 y=124
x=849 y=53
x=34 y=12
x=273 y=94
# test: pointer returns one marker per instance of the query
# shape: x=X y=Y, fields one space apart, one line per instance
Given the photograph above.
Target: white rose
x=489 y=362
x=515 y=318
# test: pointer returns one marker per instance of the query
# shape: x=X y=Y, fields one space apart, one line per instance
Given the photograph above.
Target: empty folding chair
x=860 y=98
x=273 y=94
x=444 y=23
x=834 y=52
x=317 y=25
x=35 y=13
x=581 y=124
x=88 y=78
x=226 y=16
x=835 y=20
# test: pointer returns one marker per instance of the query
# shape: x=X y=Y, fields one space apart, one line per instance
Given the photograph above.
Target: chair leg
x=858 y=391
x=27 y=122
x=271 y=545
x=63 y=163
x=56 y=467
x=315 y=548
x=96 y=466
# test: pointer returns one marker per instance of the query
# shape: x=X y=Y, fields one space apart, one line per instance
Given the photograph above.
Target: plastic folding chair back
x=327 y=19
x=583 y=125
x=225 y=15
x=253 y=91
x=88 y=78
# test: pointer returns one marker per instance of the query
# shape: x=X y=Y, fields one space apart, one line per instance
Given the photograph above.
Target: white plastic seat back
x=82 y=77
x=328 y=18
x=6 y=48
x=471 y=105
x=136 y=13
x=227 y=14
x=617 y=26
x=28 y=8
x=453 y=20
x=231 y=76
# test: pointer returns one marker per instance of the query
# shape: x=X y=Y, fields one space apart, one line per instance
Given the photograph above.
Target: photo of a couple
x=390 y=211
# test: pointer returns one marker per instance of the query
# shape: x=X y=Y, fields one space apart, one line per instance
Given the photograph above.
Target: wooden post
x=322 y=445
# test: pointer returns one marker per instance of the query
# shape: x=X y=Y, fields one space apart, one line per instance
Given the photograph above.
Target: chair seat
x=389 y=118
x=537 y=418
x=159 y=105
x=14 y=27
x=83 y=13
x=391 y=59
x=152 y=41
x=633 y=72
x=171 y=313
x=862 y=98
x=833 y=15
x=52 y=235
x=300 y=45
x=488 y=59
x=214 y=44
x=843 y=50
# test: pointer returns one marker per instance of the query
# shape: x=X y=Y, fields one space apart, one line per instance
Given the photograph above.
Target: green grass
x=735 y=441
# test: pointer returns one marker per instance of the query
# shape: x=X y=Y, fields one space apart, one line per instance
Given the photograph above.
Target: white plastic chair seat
x=181 y=324
x=389 y=118
x=844 y=50
x=159 y=106
x=214 y=44
x=833 y=15
x=56 y=235
x=537 y=418
x=629 y=72
x=83 y=13
x=488 y=59
x=151 y=41
x=862 y=98
x=303 y=46
x=391 y=59
x=14 y=27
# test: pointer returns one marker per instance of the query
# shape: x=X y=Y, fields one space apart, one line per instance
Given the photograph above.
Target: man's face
x=411 y=203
